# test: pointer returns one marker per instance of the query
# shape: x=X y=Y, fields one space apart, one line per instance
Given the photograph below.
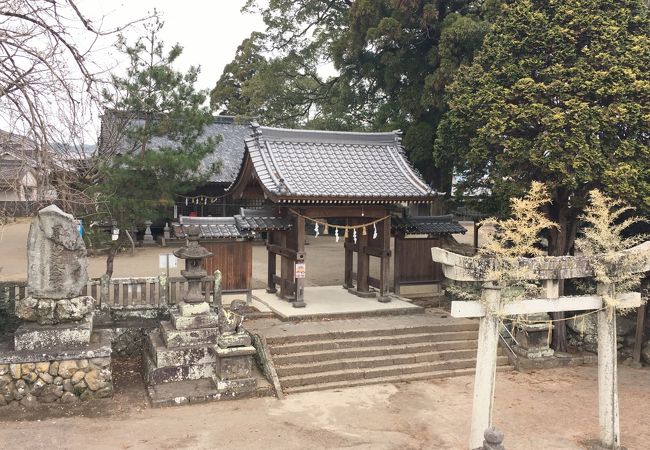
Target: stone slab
x=204 y=390
x=235 y=351
x=158 y=375
x=165 y=356
x=32 y=336
x=234 y=340
x=334 y=301
x=192 y=309
x=99 y=347
x=178 y=338
x=181 y=322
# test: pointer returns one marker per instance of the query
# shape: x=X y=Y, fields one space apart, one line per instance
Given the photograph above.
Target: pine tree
x=151 y=137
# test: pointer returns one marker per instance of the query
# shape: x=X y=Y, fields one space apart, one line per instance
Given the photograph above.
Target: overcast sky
x=209 y=31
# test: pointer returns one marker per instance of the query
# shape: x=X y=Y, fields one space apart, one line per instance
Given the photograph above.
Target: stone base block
x=234 y=340
x=62 y=376
x=533 y=353
x=181 y=322
x=49 y=312
x=199 y=391
x=163 y=356
x=244 y=385
x=178 y=338
x=234 y=363
x=192 y=309
x=362 y=294
x=32 y=336
x=167 y=374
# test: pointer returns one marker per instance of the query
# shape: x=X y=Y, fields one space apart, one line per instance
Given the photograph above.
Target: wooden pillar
x=363 y=264
x=272 y=259
x=286 y=268
x=486 y=360
x=476 y=228
x=299 y=247
x=396 y=263
x=384 y=271
x=348 y=268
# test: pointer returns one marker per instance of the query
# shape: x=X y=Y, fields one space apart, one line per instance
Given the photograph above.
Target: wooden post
x=272 y=258
x=384 y=276
x=396 y=263
x=363 y=264
x=486 y=360
x=607 y=373
x=286 y=268
x=476 y=228
x=300 y=248
x=349 y=259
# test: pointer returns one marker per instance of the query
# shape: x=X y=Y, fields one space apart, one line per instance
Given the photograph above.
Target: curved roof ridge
x=324 y=136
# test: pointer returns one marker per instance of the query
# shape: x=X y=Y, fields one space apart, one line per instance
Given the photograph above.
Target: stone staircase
x=369 y=355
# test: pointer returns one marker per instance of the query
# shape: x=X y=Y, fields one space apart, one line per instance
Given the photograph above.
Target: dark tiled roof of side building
x=307 y=165
x=229 y=151
x=427 y=225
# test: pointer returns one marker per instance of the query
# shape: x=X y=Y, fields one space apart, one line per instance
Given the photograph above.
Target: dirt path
x=553 y=409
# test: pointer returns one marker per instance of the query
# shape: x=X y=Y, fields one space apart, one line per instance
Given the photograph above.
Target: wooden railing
x=125 y=292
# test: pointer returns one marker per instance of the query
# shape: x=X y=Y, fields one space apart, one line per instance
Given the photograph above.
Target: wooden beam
x=286 y=252
x=369 y=212
x=538 y=305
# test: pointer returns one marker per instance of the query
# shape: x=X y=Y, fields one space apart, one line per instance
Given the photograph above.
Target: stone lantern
x=193 y=310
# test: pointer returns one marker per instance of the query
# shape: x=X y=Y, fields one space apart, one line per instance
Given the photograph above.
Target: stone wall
x=64 y=381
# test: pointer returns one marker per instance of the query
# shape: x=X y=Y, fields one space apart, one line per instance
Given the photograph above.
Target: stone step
x=165 y=374
x=384 y=371
x=347 y=334
x=191 y=354
x=387 y=379
x=354 y=352
x=373 y=361
x=371 y=341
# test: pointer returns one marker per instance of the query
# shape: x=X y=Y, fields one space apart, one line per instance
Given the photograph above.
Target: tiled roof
x=427 y=225
x=336 y=166
x=263 y=223
x=210 y=228
x=230 y=151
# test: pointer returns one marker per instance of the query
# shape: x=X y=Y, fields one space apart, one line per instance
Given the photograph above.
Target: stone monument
x=55 y=356
x=199 y=354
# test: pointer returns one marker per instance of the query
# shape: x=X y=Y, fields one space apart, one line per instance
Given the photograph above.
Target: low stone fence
x=125 y=307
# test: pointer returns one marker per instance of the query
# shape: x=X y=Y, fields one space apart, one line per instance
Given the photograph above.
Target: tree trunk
x=560 y=243
x=110 y=258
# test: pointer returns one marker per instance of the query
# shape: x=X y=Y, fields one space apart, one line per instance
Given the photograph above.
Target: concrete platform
x=333 y=301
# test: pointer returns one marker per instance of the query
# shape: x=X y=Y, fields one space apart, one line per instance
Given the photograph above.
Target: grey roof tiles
x=427 y=225
x=303 y=164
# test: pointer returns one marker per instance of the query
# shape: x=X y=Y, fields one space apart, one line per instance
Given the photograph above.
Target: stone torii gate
x=549 y=270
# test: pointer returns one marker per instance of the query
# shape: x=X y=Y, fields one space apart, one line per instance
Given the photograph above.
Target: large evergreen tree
x=151 y=142
x=559 y=93
x=393 y=61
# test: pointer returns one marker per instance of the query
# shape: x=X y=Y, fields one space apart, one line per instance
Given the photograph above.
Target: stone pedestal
x=55 y=356
x=198 y=355
x=533 y=339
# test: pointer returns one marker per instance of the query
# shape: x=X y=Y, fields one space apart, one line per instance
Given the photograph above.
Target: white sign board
x=167 y=260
